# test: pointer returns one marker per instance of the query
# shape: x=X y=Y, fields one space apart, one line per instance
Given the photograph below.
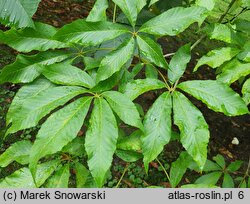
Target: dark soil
x=59 y=12
x=222 y=128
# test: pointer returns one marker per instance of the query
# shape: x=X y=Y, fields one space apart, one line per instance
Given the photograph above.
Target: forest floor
x=222 y=128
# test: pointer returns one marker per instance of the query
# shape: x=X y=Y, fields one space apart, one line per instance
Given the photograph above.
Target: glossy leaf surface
x=100 y=142
x=193 y=127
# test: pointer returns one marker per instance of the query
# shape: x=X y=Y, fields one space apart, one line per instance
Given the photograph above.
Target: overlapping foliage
x=63 y=96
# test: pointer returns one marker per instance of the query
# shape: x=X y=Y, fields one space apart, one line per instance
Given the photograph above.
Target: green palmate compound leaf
x=82 y=175
x=245 y=15
x=22 y=178
x=66 y=74
x=131 y=8
x=100 y=142
x=128 y=156
x=174 y=21
x=193 y=127
x=19 y=179
x=124 y=108
x=234 y=166
x=246 y=3
x=137 y=68
x=60 y=179
x=151 y=71
x=216 y=58
x=129 y=76
x=137 y=87
x=151 y=50
x=107 y=84
x=131 y=142
x=216 y=95
x=18 y=12
x=223 y=33
x=28 y=39
x=179 y=168
x=27 y=68
x=28 y=91
x=208 y=4
x=157 y=125
x=178 y=63
x=221 y=7
x=75 y=147
x=220 y=160
x=242 y=25
x=233 y=70
x=90 y=33
x=211 y=166
x=108 y=46
x=124 y=79
x=246 y=91
x=91 y=63
x=98 y=12
x=209 y=179
x=228 y=181
x=114 y=61
x=26 y=111
x=140 y=109
x=58 y=130
x=19 y=151
x=44 y=171
x=245 y=54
